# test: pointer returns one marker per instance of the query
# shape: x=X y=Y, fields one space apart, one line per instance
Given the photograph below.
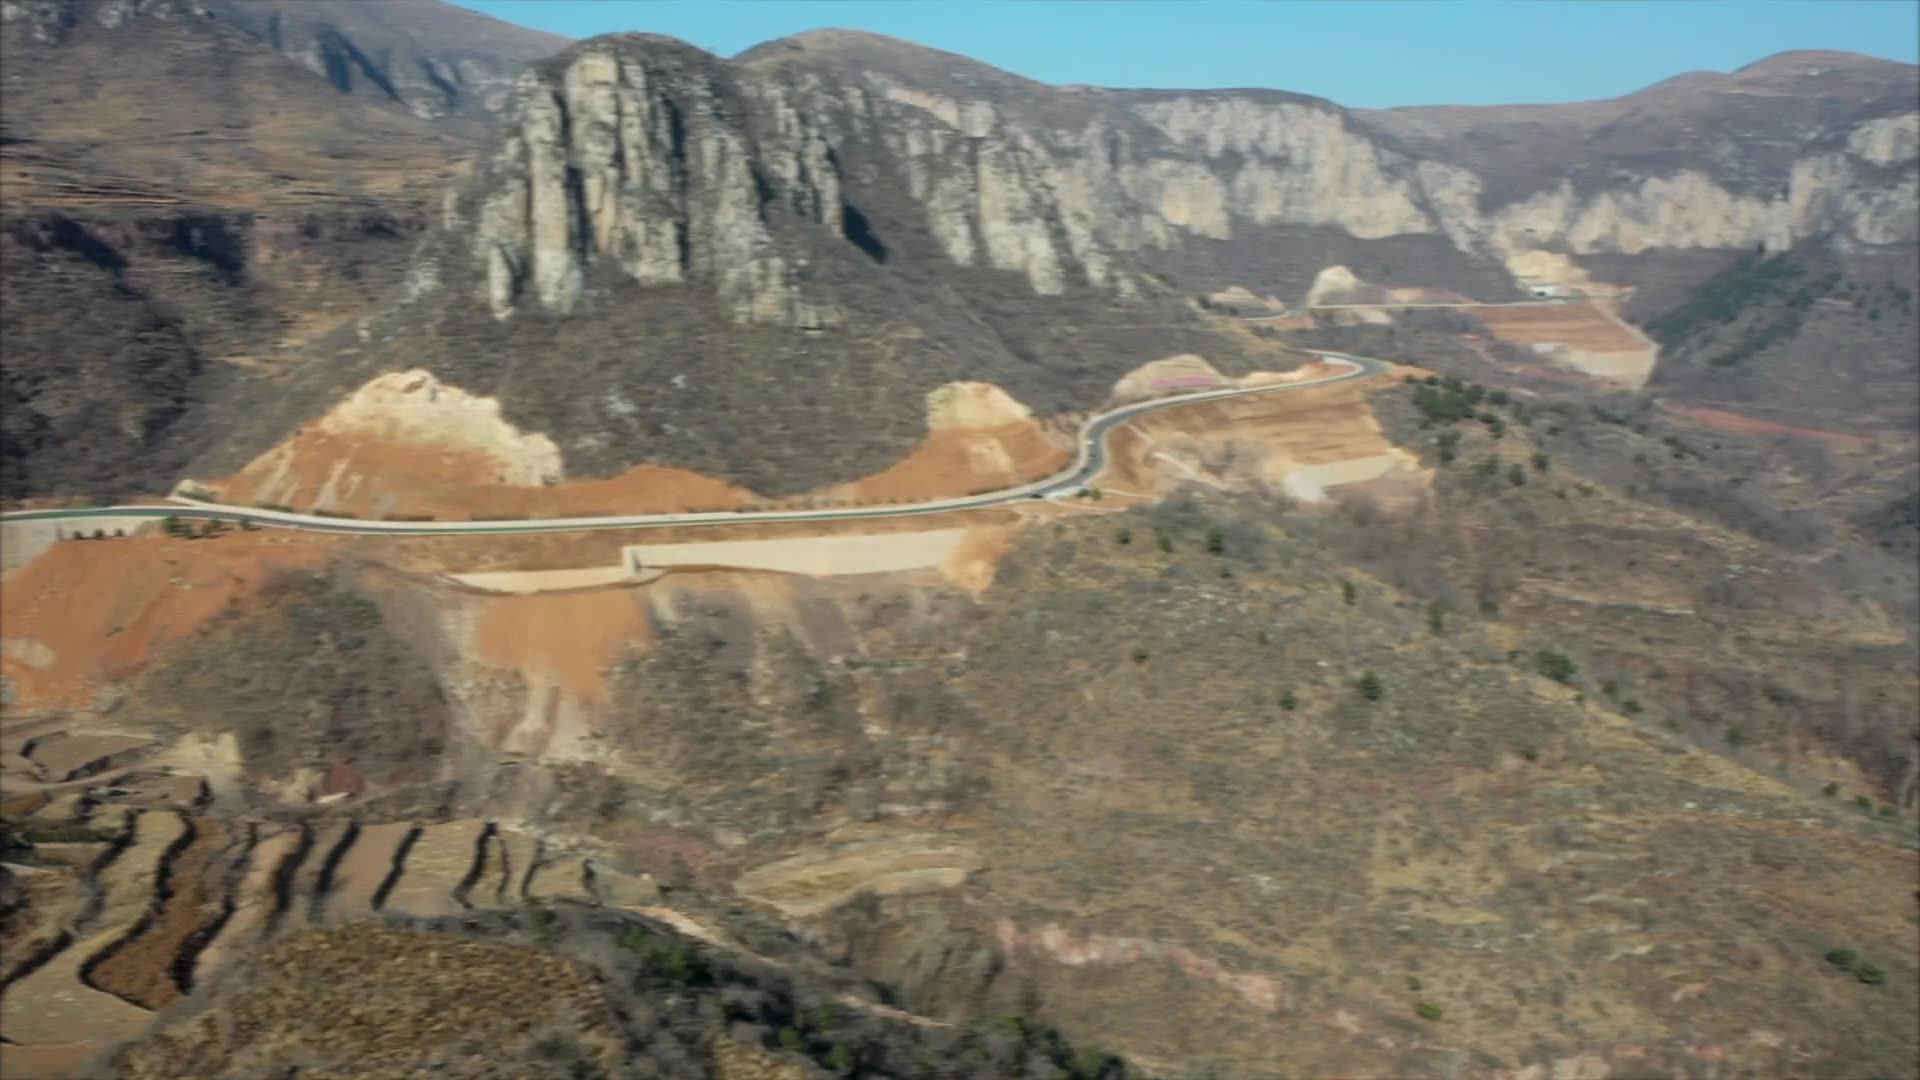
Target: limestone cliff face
x=651 y=162
x=672 y=167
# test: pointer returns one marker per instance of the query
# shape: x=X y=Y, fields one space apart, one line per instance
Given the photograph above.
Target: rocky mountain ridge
x=438 y=60
x=1073 y=188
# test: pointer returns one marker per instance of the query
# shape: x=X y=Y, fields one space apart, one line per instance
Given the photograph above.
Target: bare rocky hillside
x=1183 y=783
x=701 y=234
x=831 y=225
x=180 y=203
x=1539 y=705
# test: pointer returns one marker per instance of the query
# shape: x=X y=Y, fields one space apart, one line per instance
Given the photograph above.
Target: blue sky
x=1361 y=53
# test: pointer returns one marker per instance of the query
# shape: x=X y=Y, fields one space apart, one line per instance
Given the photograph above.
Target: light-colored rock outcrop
x=817 y=881
x=636 y=159
x=674 y=168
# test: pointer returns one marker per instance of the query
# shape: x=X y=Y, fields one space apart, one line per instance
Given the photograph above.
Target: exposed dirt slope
x=84 y=614
x=407 y=444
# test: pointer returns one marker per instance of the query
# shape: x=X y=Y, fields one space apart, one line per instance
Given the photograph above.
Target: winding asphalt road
x=1091 y=458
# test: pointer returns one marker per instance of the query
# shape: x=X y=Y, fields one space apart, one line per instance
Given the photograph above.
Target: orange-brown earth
x=372 y=476
x=141 y=970
x=566 y=639
x=1306 y=439
x=84 y=614
x=1749 y=425
x=960 y=462
x=407 y=445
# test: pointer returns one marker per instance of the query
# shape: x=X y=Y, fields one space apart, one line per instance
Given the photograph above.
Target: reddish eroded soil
x=375 y=478
x=141 y=971
x=97 y=611
x=1310 y=426
x=958 y=461
x=1748 y=425
x=570 y=638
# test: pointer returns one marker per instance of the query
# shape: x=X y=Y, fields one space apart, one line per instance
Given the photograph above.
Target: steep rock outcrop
x=625 y=268
x=645 y=160
x=1141 y=170
x=670 y=166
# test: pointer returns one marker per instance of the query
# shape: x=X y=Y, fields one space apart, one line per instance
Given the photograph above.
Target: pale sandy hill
x=978 y=439
x=408 y=444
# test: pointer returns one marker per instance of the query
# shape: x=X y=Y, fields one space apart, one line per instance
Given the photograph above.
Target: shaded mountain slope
x=438 y=60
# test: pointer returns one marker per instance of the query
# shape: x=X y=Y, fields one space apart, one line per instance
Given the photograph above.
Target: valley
x=546 y=558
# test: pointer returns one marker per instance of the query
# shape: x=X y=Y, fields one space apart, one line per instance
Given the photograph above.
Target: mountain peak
x=1817 y=62
x=892 y=56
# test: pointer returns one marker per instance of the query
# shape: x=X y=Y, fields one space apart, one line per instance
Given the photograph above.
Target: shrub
x=1123 y=537
x=1437 y=617
x=1555 y=665
x=1631 y=707
x=64 y=834
x=1870 y=974
x=1516 y=475
x=1140 y=654
x=543 y=922
x=1349 y=592
x=1541 y=461
x=1370 y=686
x=1428 y=1011
x=1288 y=701
x=1165 y=541
x=1216 y=541
x=1830 y=790
x=1865 y=804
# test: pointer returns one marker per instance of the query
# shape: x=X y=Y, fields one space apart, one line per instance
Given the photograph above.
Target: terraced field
x=136 y=896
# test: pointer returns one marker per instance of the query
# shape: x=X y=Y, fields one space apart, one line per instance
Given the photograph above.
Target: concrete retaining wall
x=815 y=556
x=23 y=541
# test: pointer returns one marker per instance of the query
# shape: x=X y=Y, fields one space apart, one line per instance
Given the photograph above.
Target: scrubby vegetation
x=316 y=678
x=606 y=996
